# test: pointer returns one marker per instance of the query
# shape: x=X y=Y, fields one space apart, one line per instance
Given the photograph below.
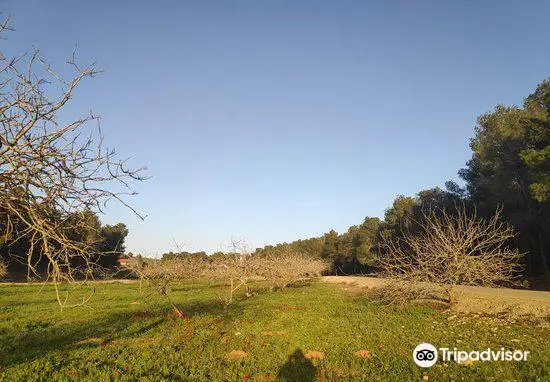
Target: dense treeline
x=356 y=250
x=510 y=169
x=106 y=242
x=184 y=254
x=509 y=172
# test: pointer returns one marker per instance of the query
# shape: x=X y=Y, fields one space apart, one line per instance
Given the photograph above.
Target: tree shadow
x=298 y=368
x=37 y=340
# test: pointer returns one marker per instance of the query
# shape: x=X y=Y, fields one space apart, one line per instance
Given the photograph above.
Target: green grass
x=115 y=339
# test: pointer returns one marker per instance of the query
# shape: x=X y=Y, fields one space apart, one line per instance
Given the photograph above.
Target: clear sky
x=279 y=120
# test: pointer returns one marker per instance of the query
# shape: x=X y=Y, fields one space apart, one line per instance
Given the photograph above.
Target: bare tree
x=3 y=270
x=160 y=274
x=51 y=169
x=290 y=267
x=279 y=271
x=451 y=249
x=236 y=270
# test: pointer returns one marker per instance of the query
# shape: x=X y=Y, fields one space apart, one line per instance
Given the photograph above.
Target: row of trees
x=56 y=175
x=22 y=257
x=184 y=255
x=509 y=173
x=510 y=169
x=358 y=249
x=234 y=269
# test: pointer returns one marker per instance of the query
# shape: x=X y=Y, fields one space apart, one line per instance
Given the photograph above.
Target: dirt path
x=477 y=300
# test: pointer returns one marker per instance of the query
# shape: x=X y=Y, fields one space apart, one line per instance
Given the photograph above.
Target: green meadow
x=314 y=332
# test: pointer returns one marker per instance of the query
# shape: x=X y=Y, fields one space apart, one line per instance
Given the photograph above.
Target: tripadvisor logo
x=425 y=355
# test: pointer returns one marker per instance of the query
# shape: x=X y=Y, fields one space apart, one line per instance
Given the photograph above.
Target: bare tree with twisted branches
x=451 y=249
x=51 y=170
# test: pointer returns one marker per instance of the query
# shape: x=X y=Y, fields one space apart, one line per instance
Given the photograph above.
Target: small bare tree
x=160 y=274
x=237 y=270
x=279 y=271
x=51 y=169
x=238 y=267
x=451 y=249
x=290 y=267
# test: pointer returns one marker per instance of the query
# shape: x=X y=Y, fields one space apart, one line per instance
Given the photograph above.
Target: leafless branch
x=51 y=170
x=451 y=249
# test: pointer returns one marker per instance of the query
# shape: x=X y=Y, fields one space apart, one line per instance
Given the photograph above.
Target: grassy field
x=126 y=336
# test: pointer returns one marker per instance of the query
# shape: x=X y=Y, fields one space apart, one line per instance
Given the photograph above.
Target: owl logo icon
x=425 y=355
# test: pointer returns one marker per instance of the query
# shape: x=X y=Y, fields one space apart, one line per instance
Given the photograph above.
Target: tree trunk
x=545 y=265
x=452 y=295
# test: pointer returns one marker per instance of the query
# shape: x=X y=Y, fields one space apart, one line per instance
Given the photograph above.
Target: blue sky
x=278 y=120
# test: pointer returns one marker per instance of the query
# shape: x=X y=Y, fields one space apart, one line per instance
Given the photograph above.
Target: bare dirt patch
x=236 y=355
x=363 y=354
x=501 y=302
x=313 y=354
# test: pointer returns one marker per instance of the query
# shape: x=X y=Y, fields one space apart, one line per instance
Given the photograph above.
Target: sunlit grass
x=125 y=336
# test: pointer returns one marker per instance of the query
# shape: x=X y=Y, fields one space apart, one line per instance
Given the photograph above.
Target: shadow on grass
x=35 y=340
x=300 y=284
x=298 y=368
